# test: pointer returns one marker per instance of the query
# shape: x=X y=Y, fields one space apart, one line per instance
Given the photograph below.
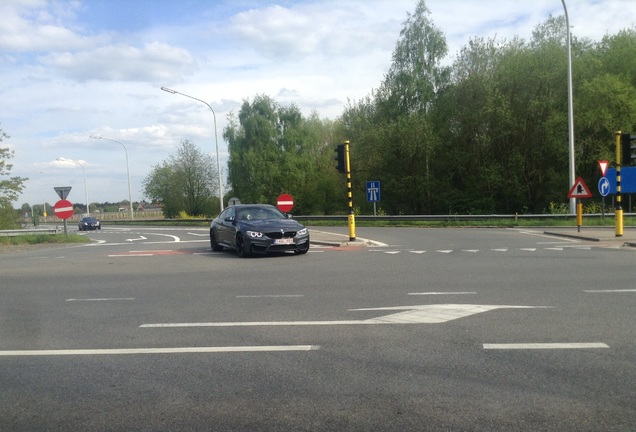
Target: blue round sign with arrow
x=604 y=186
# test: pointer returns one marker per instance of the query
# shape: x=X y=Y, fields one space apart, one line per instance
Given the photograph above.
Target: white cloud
x=155 y=62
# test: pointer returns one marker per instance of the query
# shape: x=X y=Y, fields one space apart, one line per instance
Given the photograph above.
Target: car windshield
x=89 y=219
x=258 y=213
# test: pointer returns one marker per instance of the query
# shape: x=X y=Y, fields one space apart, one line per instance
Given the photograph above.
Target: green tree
x=185 y=182
x=391 y=132
x=274 y=149
x=10 y=187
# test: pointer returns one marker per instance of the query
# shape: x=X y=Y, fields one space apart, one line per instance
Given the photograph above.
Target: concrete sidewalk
x=326 y=238
x=597 y=234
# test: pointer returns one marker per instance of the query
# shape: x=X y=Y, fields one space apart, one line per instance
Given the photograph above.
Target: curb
x=627 y=243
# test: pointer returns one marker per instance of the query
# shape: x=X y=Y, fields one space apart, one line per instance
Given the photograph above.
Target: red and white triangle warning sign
x=579 y=190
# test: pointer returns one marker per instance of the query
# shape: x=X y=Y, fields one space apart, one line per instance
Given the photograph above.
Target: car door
x=226 y=226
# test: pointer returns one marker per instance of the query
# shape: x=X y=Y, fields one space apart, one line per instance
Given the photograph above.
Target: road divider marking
x=610 y=291
x=444 y=293
x=546 y=346
x=185 y=350
x=271 y=296
x=101 y=299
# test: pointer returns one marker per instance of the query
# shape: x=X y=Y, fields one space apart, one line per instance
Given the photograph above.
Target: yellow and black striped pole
x=351 y=218
x=619 y=209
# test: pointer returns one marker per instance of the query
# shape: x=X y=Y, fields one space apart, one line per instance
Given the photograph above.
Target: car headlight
x=302 y=232
x=254 y=234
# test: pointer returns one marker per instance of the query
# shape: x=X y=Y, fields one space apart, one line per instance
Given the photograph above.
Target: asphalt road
x=425 y=330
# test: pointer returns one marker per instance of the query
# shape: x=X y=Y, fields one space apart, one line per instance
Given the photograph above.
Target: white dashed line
x=545 y=346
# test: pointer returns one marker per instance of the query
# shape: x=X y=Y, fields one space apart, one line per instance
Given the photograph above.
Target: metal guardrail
x=30 y=231
x=453 y=218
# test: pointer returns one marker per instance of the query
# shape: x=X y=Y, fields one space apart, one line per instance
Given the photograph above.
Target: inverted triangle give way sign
x=579 y=190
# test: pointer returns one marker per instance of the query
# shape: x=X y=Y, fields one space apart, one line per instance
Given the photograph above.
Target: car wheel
x=240 y=246
x=302 y=251
x=216 y=247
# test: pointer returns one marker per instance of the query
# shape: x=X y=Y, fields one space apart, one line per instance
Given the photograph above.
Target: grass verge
x=43 y=238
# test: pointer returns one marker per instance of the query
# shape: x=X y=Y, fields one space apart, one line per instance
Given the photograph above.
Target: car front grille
x=280 y=235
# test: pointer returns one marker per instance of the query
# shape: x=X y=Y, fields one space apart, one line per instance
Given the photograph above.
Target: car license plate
x=284 y=241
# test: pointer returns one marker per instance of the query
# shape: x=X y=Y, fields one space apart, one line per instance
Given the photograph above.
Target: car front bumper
x=267 y=245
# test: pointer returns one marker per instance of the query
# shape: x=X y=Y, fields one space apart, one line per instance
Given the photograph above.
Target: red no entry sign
x=63 y=209
x=285 y=203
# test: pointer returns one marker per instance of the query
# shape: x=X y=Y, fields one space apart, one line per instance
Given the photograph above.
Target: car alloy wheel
x=216 y=247
x=240 y=246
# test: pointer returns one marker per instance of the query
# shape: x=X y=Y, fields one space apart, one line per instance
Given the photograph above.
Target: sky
x=72 y=69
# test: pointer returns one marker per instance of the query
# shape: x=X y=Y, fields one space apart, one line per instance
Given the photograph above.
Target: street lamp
x=61 y=159
x=132 y=214
x=570 y=109
x=218 y=158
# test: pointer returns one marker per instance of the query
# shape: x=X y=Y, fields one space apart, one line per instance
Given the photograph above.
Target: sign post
x=619 y=209
x=373 y=193
x=579 y=190
x=64 y=210
x=603 y=185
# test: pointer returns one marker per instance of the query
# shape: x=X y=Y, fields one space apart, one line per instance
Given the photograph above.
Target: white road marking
x=470 y=250
x=392 y=252
x=546 y=346
x=200 y=235
x=131 y=255
x=610 y=291
x=418 y=251
x=175 y=238
x=271 y=296
x=419 y=314
x=186 y=350
x=444 y=251
x=444 y=293
x=101 y=299
x=528 y=249
x=137 y=239
x=500 y=250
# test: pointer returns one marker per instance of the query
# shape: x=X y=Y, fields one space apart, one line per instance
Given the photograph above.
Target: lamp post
x=218 y=158
x=132 y=214
x=88 y=210
x=570 y=109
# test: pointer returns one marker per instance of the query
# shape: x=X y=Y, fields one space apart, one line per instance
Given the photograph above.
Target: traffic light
x=340 y=157
x=628 y=149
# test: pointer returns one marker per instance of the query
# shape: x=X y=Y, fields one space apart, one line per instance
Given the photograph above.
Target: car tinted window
x=259 y=213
